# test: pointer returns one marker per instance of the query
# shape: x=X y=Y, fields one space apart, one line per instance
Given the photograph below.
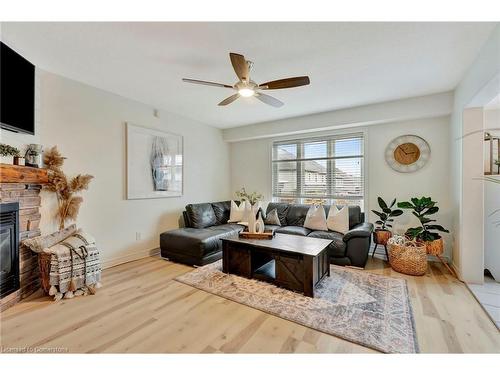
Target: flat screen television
x=17 y=92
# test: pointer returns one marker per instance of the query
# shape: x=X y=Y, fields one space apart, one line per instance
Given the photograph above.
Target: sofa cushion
x=296 y=214
x=355 y=215
x=272 y=218
x=230 y=227
x=337 y=247
x=270 y=228
x=195 y=242
x=295 y=230
x=201 y=215
x=315 y=218
x=281 y=208
x=338 y=220
x=222 y=211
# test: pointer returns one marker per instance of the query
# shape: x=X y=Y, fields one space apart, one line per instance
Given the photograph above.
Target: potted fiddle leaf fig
x=383 y=232
x=427 y=232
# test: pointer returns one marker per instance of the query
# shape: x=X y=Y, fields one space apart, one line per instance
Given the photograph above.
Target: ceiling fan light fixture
x=246 y=92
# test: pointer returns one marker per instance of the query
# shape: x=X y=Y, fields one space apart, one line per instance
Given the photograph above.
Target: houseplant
x=382 y=232
x=426 y=233
x=252 y=198
x=6 y=150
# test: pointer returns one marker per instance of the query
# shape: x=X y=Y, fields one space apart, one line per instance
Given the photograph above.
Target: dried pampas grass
x=65 y=189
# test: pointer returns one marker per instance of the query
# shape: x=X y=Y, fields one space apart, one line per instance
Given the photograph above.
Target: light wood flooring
x=141 y=309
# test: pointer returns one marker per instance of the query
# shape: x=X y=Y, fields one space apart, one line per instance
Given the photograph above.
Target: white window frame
x=363 y=132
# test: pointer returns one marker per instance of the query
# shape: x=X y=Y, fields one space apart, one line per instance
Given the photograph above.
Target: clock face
x=407 y=153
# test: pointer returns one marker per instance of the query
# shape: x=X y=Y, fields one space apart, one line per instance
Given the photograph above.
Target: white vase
x=252 y=220
x=259 y=224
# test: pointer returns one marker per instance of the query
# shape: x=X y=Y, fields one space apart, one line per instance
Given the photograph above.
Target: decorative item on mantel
x=65 y=189
x=33 y=156
x=7 y=150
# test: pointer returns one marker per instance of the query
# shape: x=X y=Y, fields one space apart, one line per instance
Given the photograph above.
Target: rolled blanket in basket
x=76 y=258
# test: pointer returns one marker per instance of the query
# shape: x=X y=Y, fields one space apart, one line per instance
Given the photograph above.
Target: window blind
x=327 y=168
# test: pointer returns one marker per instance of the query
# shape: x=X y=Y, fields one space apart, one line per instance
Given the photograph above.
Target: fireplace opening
x=9 y=248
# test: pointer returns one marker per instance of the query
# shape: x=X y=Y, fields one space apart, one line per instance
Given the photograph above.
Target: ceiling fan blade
x=285 y=83
x=268 y=99
x=207 y=83
x=230 y=99
x=240 y=66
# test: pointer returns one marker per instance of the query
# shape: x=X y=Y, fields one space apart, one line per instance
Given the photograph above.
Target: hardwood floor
x=141 y=309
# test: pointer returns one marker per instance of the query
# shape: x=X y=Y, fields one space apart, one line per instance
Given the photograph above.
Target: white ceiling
x=349 y=64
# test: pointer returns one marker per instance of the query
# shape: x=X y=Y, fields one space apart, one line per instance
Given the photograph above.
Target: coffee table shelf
x=266 y=272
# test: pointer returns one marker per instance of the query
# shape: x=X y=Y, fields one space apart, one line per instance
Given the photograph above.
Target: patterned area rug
x=358 y=306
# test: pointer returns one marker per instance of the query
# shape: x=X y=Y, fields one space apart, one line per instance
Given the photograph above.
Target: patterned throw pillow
x=272 y=218
x=316 y=218
x=38 y=244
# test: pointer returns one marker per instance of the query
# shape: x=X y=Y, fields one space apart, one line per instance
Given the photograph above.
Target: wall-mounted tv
x=17 y=92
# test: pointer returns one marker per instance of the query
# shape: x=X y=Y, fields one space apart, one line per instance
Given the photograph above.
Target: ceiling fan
x=246 y=88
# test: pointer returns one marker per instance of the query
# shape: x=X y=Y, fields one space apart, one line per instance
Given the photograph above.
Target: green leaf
x=437 y=227
x=379 y=214
x=416 y=202
x=387 y=210
x=389 y=225
x=393 y=203
x=413 y=232
x=379 y=222
x=425 y=220
x=405 y=205
x=381 y=203
x=431 y=210
x=397 y=213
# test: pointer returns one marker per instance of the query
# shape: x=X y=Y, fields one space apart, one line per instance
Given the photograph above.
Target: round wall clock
x=407 y=153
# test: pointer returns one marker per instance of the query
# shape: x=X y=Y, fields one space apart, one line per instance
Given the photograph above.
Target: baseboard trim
x=455 y=269
x=108 y=263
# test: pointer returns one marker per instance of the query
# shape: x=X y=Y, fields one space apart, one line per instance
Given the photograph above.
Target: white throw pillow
x=236 y=213
x=316 y=218
x=338 y=220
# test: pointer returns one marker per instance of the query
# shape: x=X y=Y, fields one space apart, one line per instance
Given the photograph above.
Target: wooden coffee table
x=293 y=262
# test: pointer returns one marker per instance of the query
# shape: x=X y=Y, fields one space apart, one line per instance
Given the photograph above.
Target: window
x=327 y=169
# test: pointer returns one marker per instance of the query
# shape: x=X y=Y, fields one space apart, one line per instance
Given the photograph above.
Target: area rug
x=358 y=306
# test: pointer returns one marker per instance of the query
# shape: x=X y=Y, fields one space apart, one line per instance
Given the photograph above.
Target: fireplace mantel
x=20 y=174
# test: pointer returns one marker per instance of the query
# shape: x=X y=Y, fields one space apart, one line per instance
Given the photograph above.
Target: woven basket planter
x=408 y=257
x=381 y=237
x=435 y=247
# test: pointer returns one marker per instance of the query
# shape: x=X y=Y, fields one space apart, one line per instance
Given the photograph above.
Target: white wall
x=379 y=113
x=484 y=70
x=88 y=126
x=251 y=167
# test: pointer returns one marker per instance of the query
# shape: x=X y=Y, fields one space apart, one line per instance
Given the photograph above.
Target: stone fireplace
x=9 y=248
x=19 y=192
